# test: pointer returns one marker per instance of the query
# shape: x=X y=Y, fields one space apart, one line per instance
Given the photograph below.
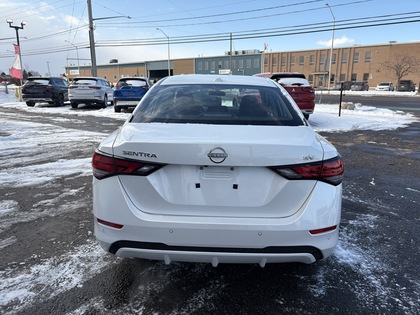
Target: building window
x=301 y=60
x=283 y=60
x=344 y=58
x=312 y=59
x=365 y=76
x=212 y=65
x=200 y=65
x=241 y=63
x=311 y=79
x=356 y=57
x=256 y=63
x=219 y=65
x=248 y=62
x=206 y=65
x=226 y=66
x=234 y=64
x=322 y=59
x=334 y=59
x=265 y=61
x=368 y=56
x=342 y=77
x=274 y=61
x=292 y=60
x=354 y=77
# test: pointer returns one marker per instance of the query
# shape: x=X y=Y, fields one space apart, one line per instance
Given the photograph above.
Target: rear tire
x=74 y=105
x=117 y=109
x=306 y=116
x=104 y=104
x=60 y=100
x=30 y=104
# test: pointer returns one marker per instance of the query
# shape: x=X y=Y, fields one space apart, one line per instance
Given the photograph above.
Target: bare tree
x=400 y=65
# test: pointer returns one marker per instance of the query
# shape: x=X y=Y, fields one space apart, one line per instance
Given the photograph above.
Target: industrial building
x=353 y=63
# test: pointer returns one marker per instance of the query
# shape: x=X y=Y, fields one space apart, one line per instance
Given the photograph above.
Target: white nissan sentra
x=217 y=169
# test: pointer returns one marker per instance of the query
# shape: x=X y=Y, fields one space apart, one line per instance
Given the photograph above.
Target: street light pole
x=169 y=54
x=77 y=52
x=332 y=46
x=17 y=28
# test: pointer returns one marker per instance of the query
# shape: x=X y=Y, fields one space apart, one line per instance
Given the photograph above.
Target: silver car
x=90 y=90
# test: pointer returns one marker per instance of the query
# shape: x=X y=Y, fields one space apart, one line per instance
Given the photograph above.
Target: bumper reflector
x=323 y=230
x=114 y=225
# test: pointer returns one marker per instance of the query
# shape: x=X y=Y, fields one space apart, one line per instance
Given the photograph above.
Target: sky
x=50 y=277
x=252 y=23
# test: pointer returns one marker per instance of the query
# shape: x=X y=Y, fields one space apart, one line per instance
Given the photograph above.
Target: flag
x=265 y=46
x=16 y=70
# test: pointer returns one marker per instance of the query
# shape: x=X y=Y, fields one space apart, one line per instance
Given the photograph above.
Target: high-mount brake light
x=329 y=171
x=106 y=166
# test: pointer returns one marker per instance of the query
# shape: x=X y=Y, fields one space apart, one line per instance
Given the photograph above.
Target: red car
x=298 y=87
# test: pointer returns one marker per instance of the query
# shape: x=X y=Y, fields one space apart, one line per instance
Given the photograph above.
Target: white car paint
x=215 y=197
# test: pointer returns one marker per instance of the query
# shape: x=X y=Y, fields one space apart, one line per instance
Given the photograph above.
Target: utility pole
x=92 y=40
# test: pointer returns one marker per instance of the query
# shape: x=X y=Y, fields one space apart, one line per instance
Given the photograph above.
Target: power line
x=280 y=32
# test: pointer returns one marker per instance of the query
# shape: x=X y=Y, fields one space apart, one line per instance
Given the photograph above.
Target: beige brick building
x=353 y=63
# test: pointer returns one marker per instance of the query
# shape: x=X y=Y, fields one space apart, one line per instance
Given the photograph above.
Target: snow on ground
x=324 y=119
x=61 y=273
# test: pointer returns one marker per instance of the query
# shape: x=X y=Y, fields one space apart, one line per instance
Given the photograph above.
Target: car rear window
x=132 y=82
x=85 y=82
x=292 y=81
x=217 y=104
x=37 y=81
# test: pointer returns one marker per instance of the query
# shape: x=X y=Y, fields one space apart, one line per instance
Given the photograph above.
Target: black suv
x=406 y=86
x=51 y=90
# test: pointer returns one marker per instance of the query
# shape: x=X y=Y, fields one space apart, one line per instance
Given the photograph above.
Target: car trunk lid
x=217 y=170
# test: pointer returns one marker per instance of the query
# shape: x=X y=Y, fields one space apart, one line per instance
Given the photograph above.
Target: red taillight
x=330 y=171
x=105 y=166
x=72 y=86
x=111 y=224
x=95 y=87
x=323 y=230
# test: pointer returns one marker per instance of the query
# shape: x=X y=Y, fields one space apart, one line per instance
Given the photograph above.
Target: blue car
x=129 y=91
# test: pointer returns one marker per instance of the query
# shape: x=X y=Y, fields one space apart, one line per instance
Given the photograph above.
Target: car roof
x=133 y=78
x=277 y=75
x=44 y=78
x=217 y=79
x=88 y=78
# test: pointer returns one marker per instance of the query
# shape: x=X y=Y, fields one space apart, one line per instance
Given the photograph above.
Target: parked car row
x=85 y=90
x=403 y=86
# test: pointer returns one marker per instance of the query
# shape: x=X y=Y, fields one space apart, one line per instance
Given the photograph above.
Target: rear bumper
x=274 y=254
x=307 y=111
x=125 y=103
x=219 y=239
x=38 y=98
x=86 y=100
